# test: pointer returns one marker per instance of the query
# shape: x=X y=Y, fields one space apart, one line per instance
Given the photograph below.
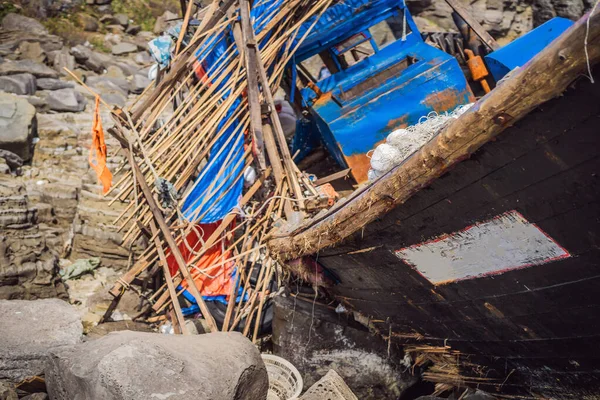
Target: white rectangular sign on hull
x=501 y=244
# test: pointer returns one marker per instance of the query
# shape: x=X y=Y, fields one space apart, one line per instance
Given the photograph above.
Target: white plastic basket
x=285 y=382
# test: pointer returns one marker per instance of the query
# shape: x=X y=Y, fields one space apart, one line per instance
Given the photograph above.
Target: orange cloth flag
x=97 y=156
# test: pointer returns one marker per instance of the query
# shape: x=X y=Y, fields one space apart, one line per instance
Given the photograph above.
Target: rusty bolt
x=502 y=119
x=562 y=56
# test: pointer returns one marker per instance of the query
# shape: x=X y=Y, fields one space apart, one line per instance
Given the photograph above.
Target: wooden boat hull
x=530 y=317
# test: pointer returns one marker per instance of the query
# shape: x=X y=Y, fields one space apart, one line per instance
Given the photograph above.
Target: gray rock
x=122 y=19
x=11 y=40
x=124 y=48
x=66 y=100
x=114 y=71
x=127 y=67
x=11 y=159
x=17 y=22
x=32 y=51
x=87 y=22
x=23 y=84
x=164 y=21
x=143 y=58
x=103 y=2
x=107 y=83
x=138 y=84
x=38 y=102
x=36 y=396
x=104 y=9
x=133 y=365
x=62 y=59
x=27 y=66
x=53 y=84
x=133 y=29
x=109 y=19
x=81 y=53
x=18 y=126
x=30 y=330
x=115 y=29
x=115 y=98
x=8 y=391
x=98 y=62
x=92 y=60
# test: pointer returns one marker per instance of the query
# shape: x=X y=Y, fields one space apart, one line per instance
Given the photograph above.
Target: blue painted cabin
x=360 y=101
x=372 y=84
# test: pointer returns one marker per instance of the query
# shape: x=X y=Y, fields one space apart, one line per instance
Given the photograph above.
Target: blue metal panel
x=436 y=84
x=518 y=52
x=345 y=19
x=388 y=90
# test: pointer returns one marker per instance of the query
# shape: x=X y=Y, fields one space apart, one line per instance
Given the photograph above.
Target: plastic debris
x=79 y=268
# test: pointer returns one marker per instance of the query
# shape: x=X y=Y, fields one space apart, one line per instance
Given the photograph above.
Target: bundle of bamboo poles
x=169 y=136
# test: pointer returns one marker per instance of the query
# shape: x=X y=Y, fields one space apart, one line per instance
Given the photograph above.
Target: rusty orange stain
x=323 y=99
x=447 y=99
x=397 y=123
x=360 y=164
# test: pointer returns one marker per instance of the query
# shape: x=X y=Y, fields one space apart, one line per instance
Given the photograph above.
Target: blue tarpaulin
x=217 y=189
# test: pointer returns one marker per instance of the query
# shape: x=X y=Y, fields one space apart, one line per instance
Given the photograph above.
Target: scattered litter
x=330 y=387
x=79 y=268
x=285 y=382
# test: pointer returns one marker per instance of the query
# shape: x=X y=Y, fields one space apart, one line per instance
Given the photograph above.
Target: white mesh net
x=401 y=143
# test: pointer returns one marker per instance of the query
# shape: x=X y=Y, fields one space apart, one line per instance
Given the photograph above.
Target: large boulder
x=139 y=83
x=105 y=82
x=136 y=365
x=92 y=60
x=27 y=66
x=122 y=19
x=61 y=59
x=23 y=84
x=32 y=51
x=165 y=21
x=66 y=100
x=11 y=40
x=16 y=22
x=18 y=125
x=124 y=48
x=53 y=84
x=112 y=90
x=87 y=22
x=30 y=330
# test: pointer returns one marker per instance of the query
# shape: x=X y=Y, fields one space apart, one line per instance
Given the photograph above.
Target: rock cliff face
x=51 y=210
x=504 y=19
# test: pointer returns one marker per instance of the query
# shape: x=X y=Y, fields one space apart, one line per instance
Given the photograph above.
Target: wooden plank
x=217 y=233
x=559 y=64
x=164 y=228
x=186 y=19
x=168 y=279
x=250 y=57
x=462 y=11
x=289 y=164
x=181 y=66
x=332 y=177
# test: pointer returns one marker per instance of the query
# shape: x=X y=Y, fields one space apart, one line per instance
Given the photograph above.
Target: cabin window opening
x=356 y=55
x=316 y=67
x=389 y=30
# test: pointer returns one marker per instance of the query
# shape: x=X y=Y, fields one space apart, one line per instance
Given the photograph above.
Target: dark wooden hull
x=537 y=324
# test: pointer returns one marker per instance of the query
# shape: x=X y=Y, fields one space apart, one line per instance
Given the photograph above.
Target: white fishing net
x=401 y=143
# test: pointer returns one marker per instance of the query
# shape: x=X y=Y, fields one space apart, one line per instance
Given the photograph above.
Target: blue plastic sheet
x=218 y=188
